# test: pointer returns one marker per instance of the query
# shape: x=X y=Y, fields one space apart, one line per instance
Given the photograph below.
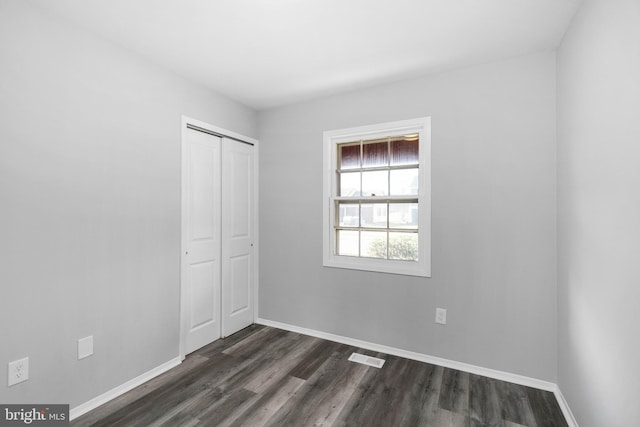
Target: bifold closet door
x=237 y=236
x=202 y=261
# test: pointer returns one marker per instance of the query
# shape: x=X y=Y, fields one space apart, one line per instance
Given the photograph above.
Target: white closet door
x=201 y=266
x=237 y=236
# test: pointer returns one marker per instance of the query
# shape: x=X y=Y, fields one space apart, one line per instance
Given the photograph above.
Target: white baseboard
x=566 y=411
x=465 y=367
x=121 y=389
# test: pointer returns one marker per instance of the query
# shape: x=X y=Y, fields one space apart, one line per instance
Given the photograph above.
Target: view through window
x=377 y=206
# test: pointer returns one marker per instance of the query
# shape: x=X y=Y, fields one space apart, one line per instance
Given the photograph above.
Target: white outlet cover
x=18 y=371
x=85 y=347
x=441 y=316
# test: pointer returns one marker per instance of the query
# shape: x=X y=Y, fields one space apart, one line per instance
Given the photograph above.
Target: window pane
x=374 y=215
x=347 y=242
x=403 y=215
x=404 y=150
x=375 y=183
x=349 y=184
x=404 y=182
x=373 y=244
x=375 y=154
x=349 y=156
x=348 y=214
x=403 y=246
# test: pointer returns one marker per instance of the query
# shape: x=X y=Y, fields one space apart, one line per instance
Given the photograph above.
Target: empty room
x=304 y=213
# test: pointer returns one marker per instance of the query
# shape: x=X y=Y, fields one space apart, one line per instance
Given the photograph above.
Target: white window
x=377 y=195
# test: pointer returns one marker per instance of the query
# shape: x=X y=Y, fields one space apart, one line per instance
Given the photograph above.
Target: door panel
x=203 y=296
x=239 y=271
x=202 y=257
x=237 y=236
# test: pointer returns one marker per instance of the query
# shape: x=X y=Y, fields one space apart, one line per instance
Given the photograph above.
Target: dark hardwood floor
x=264 y=376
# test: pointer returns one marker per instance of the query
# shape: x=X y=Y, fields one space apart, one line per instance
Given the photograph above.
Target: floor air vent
x=366 y=360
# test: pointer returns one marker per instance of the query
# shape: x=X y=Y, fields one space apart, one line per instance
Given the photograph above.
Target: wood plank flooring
x=264 y=376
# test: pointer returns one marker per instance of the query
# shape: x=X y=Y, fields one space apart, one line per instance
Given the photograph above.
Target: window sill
x=406 y=268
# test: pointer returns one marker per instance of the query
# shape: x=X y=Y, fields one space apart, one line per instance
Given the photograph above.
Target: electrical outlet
x=85 y=347
x=18 y=371
x=441 y=316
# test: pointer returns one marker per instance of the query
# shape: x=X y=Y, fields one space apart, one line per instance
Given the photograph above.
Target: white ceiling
x=265 y=53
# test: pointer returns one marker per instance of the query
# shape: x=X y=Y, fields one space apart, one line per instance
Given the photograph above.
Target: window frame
x=331 y=140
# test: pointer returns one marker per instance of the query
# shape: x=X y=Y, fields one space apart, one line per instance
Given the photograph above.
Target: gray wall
x=599 y=213
x=90 y=206
x=493 y=216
